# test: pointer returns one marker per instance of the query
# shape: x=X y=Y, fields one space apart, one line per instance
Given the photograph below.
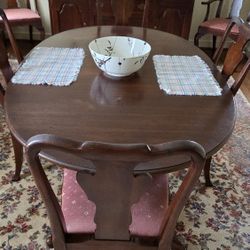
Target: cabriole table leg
x=18 y=153
x=207 y=172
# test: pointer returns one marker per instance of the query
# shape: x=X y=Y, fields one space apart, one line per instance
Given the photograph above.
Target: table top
x=129 y=110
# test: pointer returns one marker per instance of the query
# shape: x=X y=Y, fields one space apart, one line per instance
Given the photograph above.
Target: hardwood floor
x=26 y=46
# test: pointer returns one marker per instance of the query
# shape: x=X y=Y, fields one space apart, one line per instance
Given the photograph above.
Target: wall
x=198 y=15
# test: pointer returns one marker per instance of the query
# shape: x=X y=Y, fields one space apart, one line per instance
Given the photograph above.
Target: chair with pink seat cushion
x=12 y=39
x=217 y=26
x=24 y=16
x=236 y=59
x=7 y=74
x=120 y=198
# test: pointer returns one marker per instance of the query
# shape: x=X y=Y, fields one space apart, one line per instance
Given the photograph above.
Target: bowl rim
x=131 y=57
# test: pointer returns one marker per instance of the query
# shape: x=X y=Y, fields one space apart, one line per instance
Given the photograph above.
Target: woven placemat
x=185 y=75
x=52 y=66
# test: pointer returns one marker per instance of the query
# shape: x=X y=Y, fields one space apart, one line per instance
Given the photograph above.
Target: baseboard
x=26 y=36
x=208 y=43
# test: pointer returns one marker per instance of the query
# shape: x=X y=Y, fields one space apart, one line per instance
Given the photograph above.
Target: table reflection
x=111 y=91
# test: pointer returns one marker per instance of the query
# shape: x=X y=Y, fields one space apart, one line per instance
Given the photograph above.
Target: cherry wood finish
x=129 y=110
x=7 y=75
x=24 y=20
x=214 y=28
x=236 y=53
x=114 y=180
x=173 y=16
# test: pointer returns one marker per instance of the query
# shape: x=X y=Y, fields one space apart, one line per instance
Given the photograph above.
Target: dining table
x=126 y=110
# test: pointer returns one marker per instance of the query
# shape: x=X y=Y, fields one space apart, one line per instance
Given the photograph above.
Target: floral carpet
x=213 y=218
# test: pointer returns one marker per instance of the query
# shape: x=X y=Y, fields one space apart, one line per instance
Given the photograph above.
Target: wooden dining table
x=126 y=110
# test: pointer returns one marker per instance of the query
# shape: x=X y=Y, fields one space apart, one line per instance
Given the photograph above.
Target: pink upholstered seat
x=78 y=211
x=147 y=214
x=21 y=15
x=219 y=25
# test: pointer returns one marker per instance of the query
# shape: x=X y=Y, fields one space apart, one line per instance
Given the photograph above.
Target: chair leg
x=18 y=152
x=176 y=245
x=31 y=33
x=49 y=242
x=2 y=93
x=197 y=38
x=42 y=34
x=208 y=182
x=3 y=37
x=41 y=29
x=214 y=43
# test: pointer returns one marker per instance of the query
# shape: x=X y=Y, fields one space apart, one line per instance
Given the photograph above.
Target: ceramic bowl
x=119 y=56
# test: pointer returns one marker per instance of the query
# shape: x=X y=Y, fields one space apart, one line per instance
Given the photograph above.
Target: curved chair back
x=115 y=177
x=236 y=52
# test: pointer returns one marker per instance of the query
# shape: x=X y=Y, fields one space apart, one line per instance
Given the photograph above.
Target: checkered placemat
x=52 y=66
x=185 y=75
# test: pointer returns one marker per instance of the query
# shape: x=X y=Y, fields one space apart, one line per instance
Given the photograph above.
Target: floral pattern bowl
x=119 y=56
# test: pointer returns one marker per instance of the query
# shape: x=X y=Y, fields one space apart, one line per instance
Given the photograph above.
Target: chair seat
x=21 y=16
x=147 y=213
x=218 y=26
x=77 y=210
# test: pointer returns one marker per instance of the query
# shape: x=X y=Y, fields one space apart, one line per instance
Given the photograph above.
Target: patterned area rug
x=214 y=218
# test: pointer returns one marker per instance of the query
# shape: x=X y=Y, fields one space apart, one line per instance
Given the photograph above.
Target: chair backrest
x=234 y=9
x=11 y=36
x=116 y=174
x=236 y=53
x=218 y=10
x=67 y=15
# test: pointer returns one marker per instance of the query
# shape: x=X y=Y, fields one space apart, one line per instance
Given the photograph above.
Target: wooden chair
x=217 y=26
x=7 y=75
x=236 y=53
x=235 y=56
x=24 y=17
x=11 y=36
x=126 y=205
x=67 y=15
